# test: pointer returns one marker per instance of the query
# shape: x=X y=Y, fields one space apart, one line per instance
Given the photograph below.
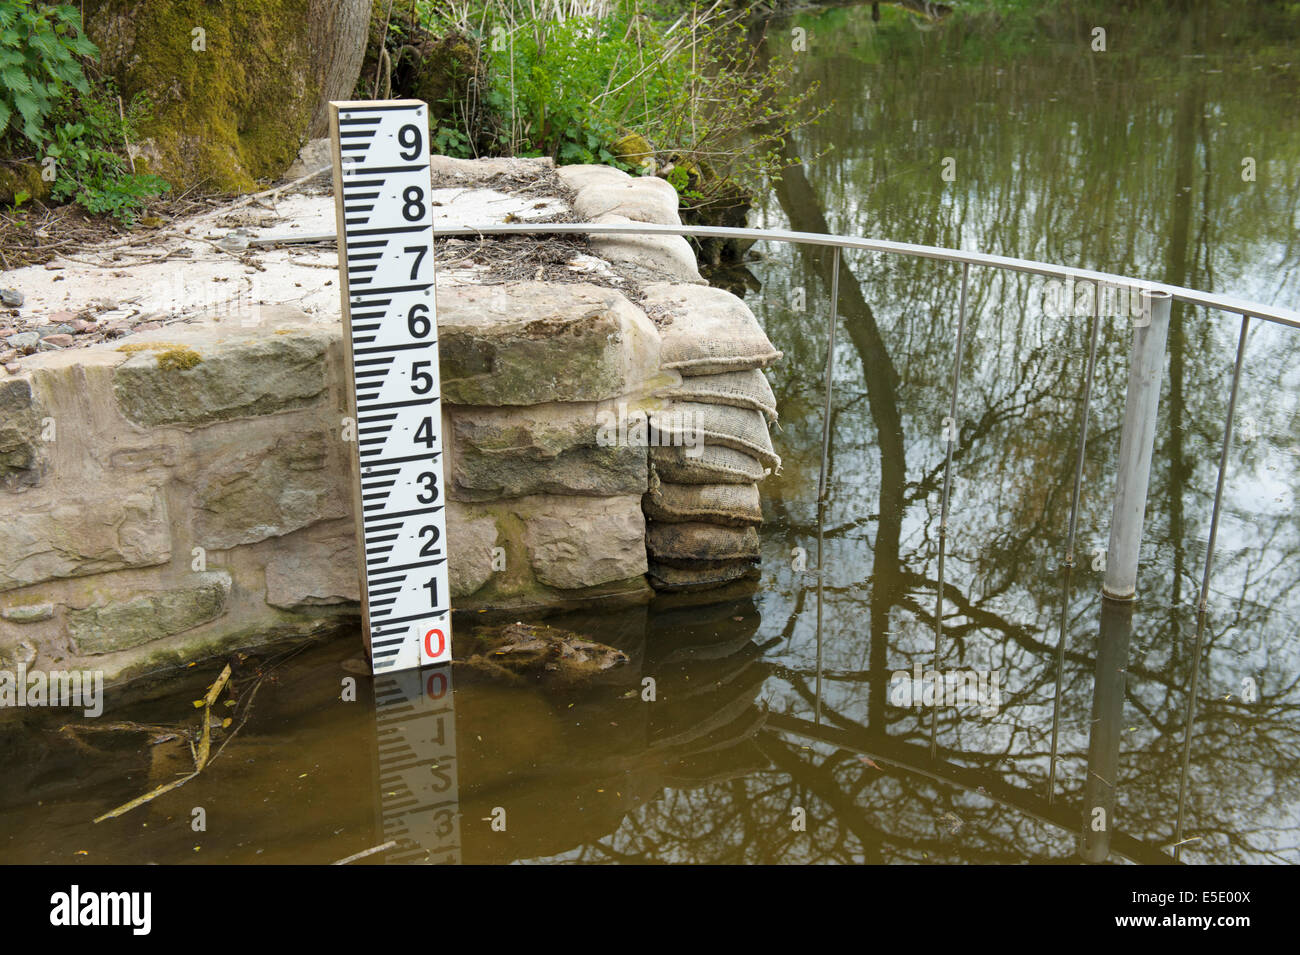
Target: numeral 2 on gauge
x=429 y=549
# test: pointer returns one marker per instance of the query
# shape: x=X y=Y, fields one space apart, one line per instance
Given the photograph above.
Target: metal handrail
x=1223 y=303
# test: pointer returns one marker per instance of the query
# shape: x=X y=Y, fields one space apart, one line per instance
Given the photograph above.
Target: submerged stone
x=518 y=653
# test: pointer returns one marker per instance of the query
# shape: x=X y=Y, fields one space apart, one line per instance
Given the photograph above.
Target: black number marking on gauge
x=386 y=263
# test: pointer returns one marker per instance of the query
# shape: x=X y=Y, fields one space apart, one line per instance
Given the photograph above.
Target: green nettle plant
x=452 y=142
x=87 y=151
x=39 y=46
x=46 y=101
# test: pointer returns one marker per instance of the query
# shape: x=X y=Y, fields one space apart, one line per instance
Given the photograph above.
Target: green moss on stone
x=550 y=361
x=226 y=115
x=292 y=629
x=177 y=357
x=28 y=613
x=21 y=178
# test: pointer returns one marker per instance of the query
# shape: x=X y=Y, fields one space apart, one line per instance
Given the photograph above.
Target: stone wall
x=186 y=489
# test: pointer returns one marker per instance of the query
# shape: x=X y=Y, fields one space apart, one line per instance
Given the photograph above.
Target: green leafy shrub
x=88 y=142
x=449 y=141
x=570 y=79
x=39 y=46
x=561 y=100
x=47 y=102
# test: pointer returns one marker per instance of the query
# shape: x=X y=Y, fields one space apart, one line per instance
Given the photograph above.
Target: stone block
x=528 y=343
x=268 y=487
x=21 y=452
x=572 y=544
x=126 y=622
x=323 y=573
x=28 y=613
x=106 y=528
x=205 y=381
x=538 y=449
x=471 y=536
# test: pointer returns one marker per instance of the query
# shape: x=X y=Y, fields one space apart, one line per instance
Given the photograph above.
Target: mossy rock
x=447 y=68
x=227 y=114
x=125 y=623
x=21 y=177
x=178 y=386
x=179 y=357
x=634 y=150
x=725 y=203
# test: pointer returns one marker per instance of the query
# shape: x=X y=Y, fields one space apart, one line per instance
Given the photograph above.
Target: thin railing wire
x=950 y=432
x=1203 y=600
x=821 y=477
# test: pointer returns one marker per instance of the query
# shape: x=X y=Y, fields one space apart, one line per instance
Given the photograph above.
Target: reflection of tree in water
x=1169 y=210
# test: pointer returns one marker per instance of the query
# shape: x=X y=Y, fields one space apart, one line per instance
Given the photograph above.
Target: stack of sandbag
x=710 y=444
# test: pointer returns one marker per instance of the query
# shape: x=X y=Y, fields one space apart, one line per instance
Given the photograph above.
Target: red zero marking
x=428 y=645
x=441 y=680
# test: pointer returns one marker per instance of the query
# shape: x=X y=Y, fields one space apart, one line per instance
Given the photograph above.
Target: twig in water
x=374 y=850
x=200 y=755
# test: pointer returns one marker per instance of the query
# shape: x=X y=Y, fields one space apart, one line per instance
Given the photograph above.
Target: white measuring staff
x=385 y=228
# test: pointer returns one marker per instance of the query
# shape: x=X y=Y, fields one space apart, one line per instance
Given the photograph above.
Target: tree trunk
x=339 y=30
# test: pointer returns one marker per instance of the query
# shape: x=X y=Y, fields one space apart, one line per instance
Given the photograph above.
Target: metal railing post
x=1136 y=443
x=1202 y=603
x=1137 y=439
